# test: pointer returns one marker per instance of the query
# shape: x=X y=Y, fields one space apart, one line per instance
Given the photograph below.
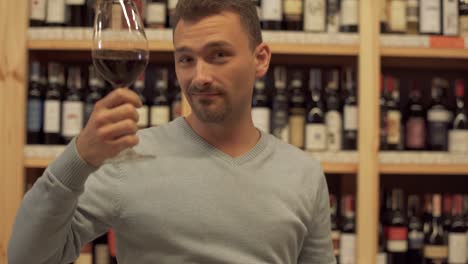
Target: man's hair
x=194 y=10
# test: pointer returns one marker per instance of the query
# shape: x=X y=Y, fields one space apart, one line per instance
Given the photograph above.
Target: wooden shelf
x=413 y=52
x=425 y=169
x=36 y=163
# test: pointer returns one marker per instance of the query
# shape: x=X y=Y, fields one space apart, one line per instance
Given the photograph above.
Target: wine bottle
x=316 y=130
x=143 y=112
x=77 y=12
x=438 y=117
x=333 y=118
x=293 y=14
x=336 y=233
x=160 y=110
x=463 y=13
x=383 y=114
x=297 y=110
x=261 y=112
x=458 y=135
x=333 y=16
x=348 y=231
x=272 y=14
x=435 y=246
x=430 y=17
x=52 y=107
x=415 y=120
x=450 y=18
x=35 y=106
x=280 y=106
x=37 y=13
x=350 y=112
x=384 y=20
x=349 y=16
x=393 y=115
x=446 y=214
x=457 y=241
x=96 y=89
x=398 y=22
x=412 y=17
x=156 y=14
x=315 y=12
x=397 y=230
x=415 y=231
x=72 y=106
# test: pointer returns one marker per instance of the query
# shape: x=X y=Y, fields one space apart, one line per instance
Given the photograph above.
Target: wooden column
x=13 y=83
x=368 y=145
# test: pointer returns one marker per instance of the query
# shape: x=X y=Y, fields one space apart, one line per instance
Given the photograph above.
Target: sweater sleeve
x=318 y=247
x=69 y=205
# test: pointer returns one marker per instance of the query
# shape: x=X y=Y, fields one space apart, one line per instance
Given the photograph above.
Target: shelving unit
x=368 y=47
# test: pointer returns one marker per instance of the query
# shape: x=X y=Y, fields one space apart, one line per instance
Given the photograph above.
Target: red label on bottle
x=397 y=233
x=111 y=242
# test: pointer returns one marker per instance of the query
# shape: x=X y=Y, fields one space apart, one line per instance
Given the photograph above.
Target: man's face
x=215 y=66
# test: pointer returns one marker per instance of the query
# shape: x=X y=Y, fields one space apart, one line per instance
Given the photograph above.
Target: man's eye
x=185 y=60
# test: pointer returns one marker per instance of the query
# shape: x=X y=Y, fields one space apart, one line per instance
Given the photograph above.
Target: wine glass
x=120 y=50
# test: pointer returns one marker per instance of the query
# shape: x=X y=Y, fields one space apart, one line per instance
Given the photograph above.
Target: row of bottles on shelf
x=415 y=233
x=428 y=17
x=309 y=116
x=58 y=110
x=99 y=251
x=307 y=15
x=441 y=125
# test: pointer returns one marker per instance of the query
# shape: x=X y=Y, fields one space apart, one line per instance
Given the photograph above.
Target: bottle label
x=143 y=114
x=34 y=115
x=333 y=121
x=38 y=10
x=56 y=11
x=348 y=248
x=52 y=116
x=437 y=115
x=450 y=18
x=415 y=132
x=458 y=141
x=261 y=118
x=296 y=125
x=160 y=115
x=416 y=240
x=349 y=12
x=156 y=13
x=314 y=15
x=393 y=127
x=316 y=137
x=430 y=16
x=398 y=20
x=335 y=236
x=72 y=118
x=350 y=117
x=271 y=10
x=293 y=8
x=397 y=239
x=457 y=248
x=435 y=252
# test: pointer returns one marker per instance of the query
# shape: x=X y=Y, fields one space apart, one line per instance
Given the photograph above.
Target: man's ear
x=262 y=59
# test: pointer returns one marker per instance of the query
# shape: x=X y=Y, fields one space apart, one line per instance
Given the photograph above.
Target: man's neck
x=232 y=138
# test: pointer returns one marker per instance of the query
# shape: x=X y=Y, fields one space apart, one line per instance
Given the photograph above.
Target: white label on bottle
x=293 y=7
x=143 y=116
x=156 y=13
x=76 y=2
x=84 y=258
x=398 y=16
x=314 y=15
x=172 y=4
x=56 y=11
x=333 y=121
x=316 y=137
x=430 y=16
x=458 y=141
x=261 y=118
x=393 y=127
x=101 y=252
x=438 y=115
x=457 y=248
x=349 y=12
x=348 y=248
x=350 y=117
x=37 y=10
x=272 y=10
x=397 y=245
x=72 y=118
x=52 y=116
x=160 y=115
x=381 y=258
x=435 y=252
x=450 y=18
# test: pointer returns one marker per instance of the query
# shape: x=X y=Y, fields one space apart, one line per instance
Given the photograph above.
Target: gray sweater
x=191 y=204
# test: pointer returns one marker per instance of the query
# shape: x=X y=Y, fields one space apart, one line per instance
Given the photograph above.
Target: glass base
x=127 y=155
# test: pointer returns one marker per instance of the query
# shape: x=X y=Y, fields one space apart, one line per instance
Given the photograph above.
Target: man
x=218 y=191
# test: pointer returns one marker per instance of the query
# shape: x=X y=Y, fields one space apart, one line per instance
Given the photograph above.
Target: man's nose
x=203 y=74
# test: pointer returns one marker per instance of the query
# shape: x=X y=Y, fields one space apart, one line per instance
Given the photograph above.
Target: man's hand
x=111 y=128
